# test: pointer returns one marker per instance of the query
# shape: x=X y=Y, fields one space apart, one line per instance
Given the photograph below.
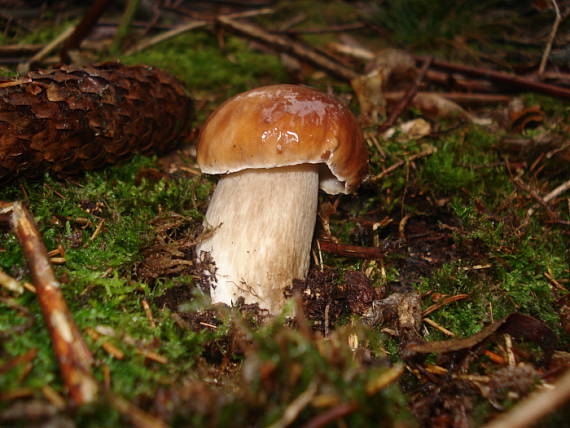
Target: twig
x=148 y=313
x=356 y=52
x=287 y=45
x=551 y=38
x=351 y=250
x=70 y=350
x=134 y=414
x=23 y=359
x=444 y=302
x=530 y=410
x=439 y=327
x=398 y=164
x=192 y=25
x=29 y=49
x=11 y=303
x=51 y=46
x=146 y=43
x=107 y=346
x=502 y=77
x=332 y=415
x=384 y=379
x=83 y=29
x=10 y=283
x=124 y=25
x=332 y=29
x=458 y=97
x=554 y=194
x=296 y=406
x=407 y=99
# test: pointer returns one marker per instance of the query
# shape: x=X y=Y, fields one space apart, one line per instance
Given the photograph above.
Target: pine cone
x=72 y=119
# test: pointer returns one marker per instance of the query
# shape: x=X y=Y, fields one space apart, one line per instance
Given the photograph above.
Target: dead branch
x=502 y=77
x=551 y=38
x=530 y=410
x=407 y=99
x=73 y=356
x=292 y=47
x=83 y=29
x=192 y=25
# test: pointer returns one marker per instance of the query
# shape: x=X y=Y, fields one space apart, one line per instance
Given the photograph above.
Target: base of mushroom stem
x=261 y=223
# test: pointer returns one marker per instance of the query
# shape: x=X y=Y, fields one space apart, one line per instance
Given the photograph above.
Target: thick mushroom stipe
x=262 y=222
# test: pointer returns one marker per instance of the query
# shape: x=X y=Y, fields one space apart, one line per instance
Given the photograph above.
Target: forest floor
x=438 y=291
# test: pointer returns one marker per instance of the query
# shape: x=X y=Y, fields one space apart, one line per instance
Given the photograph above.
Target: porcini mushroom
x=275 y=146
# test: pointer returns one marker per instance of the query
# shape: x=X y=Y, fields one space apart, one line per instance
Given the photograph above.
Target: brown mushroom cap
x=283 y=125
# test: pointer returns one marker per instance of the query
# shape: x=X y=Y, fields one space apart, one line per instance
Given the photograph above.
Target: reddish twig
x=70 y=350
x=444 y=302
x=351 y=250
x=407 y=99
x=502 y=77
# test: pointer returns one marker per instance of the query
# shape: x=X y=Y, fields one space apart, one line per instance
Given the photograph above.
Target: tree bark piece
x=72 y=354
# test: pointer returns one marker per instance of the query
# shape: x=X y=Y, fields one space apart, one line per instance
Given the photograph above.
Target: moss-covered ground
x=452 y=222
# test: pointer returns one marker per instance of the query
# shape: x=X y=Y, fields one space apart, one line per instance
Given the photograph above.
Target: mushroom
x=275 y=146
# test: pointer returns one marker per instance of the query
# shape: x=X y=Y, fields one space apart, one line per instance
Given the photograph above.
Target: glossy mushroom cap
x=284 y=125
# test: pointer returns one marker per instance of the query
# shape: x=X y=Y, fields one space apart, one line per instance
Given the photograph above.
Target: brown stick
x=405 y=102
x=70 y=350
x=502 y=77
x=551 y=38
x=83 y=29
x=351 y=250
x=287 y=45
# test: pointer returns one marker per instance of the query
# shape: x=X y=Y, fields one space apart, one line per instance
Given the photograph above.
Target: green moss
x=198 y=61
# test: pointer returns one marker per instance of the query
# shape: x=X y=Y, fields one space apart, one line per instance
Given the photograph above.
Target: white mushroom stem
x=263 y=222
